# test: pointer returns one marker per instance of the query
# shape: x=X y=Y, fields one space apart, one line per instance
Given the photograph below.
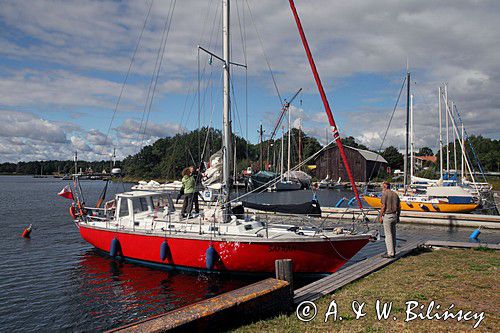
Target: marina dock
x=272 y=296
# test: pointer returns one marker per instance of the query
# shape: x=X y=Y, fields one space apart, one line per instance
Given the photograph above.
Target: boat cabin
x=135 y=208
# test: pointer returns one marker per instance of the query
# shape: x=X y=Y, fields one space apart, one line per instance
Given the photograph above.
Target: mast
x=469 y=169
x=289 y=144
x=447 y=132
x=408 y=76
x=274 y=155
x=454 y=144
x=261 y=132
x=412 y=166
x=326 y=105
x=76 y=162
x=226 y=133
x=282 y=167
x=234 y=159
x=463 y=154
x=300 y=141
x=440 y=135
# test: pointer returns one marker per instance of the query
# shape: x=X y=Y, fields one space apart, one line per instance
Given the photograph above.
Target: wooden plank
x=462 y=245
x=259 y=300
x=366 y=263
x=356 y=271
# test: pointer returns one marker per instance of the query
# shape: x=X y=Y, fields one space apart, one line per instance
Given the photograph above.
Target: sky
x=65 y=64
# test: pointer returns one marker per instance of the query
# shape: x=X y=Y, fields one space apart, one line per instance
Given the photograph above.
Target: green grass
x=495 y=181
x=466 y=278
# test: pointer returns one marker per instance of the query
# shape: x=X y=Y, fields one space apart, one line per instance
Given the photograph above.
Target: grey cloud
x=132 y=129
x=25 y=125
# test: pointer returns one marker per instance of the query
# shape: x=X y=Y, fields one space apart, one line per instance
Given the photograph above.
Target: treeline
x=53 y=167
x=486 y=151
x=166 y=158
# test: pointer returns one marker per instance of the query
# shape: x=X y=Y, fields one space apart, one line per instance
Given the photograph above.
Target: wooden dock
x=461 y=245
x=273 y=296
x=329 y=284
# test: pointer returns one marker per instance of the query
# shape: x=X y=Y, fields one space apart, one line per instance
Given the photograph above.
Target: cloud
x=96 y=137
x=66 y=55
x=14 y=124
x=132 y=129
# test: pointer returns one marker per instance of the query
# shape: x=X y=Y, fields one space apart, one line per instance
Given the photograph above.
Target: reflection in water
x=127 y=292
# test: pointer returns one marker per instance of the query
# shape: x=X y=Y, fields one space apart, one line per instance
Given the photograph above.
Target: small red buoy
x=27 y=232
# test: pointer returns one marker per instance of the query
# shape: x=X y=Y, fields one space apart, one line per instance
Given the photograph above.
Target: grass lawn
x=495 y=181
x=467 y=278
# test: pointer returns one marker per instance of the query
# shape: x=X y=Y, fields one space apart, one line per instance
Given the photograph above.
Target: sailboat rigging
x=144 y=227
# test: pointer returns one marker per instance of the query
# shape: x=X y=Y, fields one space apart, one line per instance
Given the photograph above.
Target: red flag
x=66 y=193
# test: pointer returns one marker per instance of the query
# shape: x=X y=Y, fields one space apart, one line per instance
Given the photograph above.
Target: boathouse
x=364 y=164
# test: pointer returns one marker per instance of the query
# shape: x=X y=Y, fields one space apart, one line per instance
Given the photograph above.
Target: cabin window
x=123 y=208
x=140 y=205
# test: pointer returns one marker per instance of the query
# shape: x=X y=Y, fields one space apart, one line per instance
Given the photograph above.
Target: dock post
x=284 y=271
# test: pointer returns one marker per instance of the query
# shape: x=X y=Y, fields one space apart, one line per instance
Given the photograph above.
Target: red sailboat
x=144 y=227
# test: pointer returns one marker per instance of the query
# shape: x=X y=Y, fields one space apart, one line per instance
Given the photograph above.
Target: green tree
x=351 y=142
x=425 y=151
x=393 y=157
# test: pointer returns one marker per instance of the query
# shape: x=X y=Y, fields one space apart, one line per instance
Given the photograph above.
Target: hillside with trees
x=166 y=157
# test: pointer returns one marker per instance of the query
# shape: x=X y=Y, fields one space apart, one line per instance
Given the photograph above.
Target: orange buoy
x=27 y=231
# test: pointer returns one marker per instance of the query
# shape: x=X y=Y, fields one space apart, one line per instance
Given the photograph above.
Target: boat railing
x=99 y=214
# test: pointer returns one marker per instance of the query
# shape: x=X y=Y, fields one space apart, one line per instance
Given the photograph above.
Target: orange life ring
x=72 y=212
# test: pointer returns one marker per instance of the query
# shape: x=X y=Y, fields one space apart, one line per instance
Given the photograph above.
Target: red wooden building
x=364 y=164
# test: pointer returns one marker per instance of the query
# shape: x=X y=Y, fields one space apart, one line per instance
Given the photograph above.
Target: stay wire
x=158 y=71
x=264 y=53
x=387 y=129
x=151 y=83
x=128 y=72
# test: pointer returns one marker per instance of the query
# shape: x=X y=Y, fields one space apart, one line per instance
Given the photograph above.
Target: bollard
x=284 y=271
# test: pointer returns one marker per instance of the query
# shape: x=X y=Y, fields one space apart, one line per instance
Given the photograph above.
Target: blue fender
x=349 y=203
x=474 y=235
x=164 y=250
x=211 y=256
x=337 y=205
x=114 y=248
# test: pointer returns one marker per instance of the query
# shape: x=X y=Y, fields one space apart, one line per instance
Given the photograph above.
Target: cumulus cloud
x=15 y=124
x=132 y=129
x=73 y=54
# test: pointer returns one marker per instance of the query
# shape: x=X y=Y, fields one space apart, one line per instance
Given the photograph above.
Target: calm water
x=55 y=281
